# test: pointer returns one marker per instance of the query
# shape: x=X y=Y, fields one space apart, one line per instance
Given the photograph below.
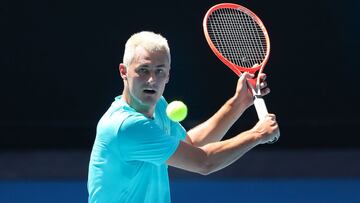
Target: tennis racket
x=240 y=40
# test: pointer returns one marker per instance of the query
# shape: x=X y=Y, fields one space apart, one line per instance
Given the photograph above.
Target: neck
x=147 y=110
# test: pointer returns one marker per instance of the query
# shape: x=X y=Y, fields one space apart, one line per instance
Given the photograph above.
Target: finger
x=246 y=75
x=263 y=84
x=244 y=79
x=262 y=76
x=265 y=91
x=271 y=115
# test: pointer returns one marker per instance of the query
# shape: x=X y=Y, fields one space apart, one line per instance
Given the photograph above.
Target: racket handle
x=262 y=111
x=260 y=107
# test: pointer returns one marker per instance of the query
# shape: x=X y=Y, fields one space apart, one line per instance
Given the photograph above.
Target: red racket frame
x=235 y=68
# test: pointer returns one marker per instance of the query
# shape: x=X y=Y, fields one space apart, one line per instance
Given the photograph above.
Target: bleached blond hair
x=150 y=41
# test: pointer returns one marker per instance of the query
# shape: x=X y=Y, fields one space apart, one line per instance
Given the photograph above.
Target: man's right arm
x=217 y=155
x=214 y=129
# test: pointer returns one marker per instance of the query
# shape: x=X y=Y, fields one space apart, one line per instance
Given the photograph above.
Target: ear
x=123 y=71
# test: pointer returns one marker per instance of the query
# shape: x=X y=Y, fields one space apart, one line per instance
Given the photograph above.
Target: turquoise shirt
x=128 y=159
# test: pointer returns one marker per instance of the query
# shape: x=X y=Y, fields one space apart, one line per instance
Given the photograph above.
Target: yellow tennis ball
x=176 y=111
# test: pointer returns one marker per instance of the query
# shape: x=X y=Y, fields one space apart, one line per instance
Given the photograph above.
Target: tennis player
x=136 y=141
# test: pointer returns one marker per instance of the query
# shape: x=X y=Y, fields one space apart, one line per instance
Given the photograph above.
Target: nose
x=152 y=78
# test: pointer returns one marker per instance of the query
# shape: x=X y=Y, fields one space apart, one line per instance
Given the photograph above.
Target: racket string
x=249 y=34
x=245 y=38
x=237 y=37
x=235 y=23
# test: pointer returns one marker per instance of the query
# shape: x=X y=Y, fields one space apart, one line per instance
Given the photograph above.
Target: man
x=135 y=140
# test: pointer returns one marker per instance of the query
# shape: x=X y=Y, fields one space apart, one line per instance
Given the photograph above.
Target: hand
x=243 y=90
x=243 y=93
x=267 y=129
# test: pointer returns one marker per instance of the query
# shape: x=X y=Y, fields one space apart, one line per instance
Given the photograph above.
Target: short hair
x=150 y=41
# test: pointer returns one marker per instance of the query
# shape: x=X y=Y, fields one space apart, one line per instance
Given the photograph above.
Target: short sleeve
x=140 y=139
x=177 y=130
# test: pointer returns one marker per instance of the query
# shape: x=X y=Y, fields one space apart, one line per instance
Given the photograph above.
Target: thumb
x=244 y=76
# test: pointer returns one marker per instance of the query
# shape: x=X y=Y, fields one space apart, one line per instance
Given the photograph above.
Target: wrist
x=257 y=136
x=237 y=102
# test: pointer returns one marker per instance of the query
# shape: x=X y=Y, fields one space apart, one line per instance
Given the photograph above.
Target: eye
x=160 y=72
x=142 y=71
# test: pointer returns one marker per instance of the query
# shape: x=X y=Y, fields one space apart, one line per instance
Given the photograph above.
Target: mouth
x=149 y=91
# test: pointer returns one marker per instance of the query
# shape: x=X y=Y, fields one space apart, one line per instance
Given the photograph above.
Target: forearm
x=223 y=153
x=215 y=156
x=216 y=127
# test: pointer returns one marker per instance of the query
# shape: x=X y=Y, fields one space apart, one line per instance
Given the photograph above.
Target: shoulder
x=118 y=115
x=162 y=103
x=135 y=121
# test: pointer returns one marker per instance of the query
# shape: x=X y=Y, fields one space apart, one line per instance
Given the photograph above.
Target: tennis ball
x=176 y=111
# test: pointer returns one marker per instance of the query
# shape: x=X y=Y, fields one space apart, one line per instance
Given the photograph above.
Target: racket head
x=238 y=37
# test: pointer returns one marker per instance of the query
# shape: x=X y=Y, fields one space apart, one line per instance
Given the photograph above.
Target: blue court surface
x=191 y=190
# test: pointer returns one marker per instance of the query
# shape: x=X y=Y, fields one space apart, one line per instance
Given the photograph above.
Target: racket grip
x=260 y=107
x=262 y=111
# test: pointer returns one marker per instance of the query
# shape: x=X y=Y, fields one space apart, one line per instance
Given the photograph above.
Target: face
x=145 y=78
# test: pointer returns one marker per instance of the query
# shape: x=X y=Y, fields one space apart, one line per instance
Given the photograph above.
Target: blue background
x=279 y=191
